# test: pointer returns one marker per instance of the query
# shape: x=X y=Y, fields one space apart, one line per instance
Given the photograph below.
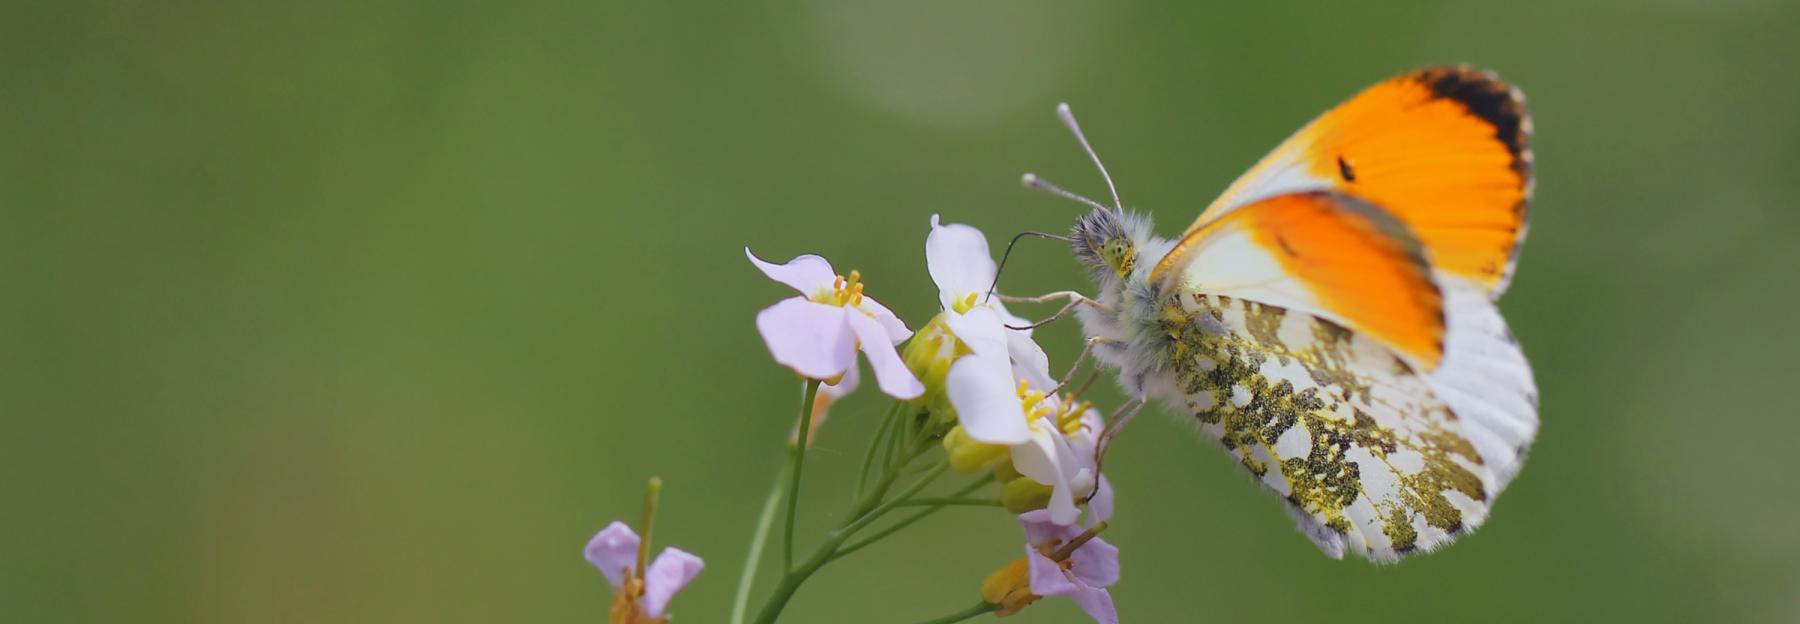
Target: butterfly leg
x=1117 y=421
x=1086 y=352
x=1114 y=423
x=1075 y=300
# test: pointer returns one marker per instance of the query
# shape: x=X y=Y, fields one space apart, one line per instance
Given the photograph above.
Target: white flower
x=818 y=333
x=981 y=385
x=1060 y=453
x=998 y=388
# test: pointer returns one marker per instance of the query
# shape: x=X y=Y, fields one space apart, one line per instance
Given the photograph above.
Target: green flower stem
x=978 y=609
x=875 y=445
x=950 y=502
x=903 y=523
x=911 y=491
x=869 y=504
x=799 y=453
x=740 y=604
x=900 y=444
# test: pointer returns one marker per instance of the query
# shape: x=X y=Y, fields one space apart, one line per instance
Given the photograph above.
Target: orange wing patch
x=1326 y=253
x=1444 y=150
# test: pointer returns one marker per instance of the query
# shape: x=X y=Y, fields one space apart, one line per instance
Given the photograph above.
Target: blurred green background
x=376 y=311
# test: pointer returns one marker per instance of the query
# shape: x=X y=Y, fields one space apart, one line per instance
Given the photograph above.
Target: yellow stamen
x=845 y=291
x=1032 y=402
x=962 y=306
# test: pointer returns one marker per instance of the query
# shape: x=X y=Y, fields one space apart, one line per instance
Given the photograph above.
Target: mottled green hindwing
x=1348 y=434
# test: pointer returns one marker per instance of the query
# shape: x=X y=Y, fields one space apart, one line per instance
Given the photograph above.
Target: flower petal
x=1047 y=460
x=614 y=551
x=1098 y=604
x=957 y=257
x=896 y=329
x=1029 y=361
x=1037 y=460
x=811 y=338
x=891 y=373
x=981 y=329
x=1096 y=563
x=807 y=273
x=671 y=571
x=1039 y=529
x=1047 y=578
x=981 y=389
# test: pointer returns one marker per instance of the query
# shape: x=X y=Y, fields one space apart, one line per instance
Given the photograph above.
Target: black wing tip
x=1486 y=96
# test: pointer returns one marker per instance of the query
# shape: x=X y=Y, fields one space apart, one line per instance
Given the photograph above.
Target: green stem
x=869 y=504
x=903 y=523
x=740 y=604
x=978 y=609
x=875 y=446
x=799 y=452
x=903 y=436
x=911 y=490
x=950 y=502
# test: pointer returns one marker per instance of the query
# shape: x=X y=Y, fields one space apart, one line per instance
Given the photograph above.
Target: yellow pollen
x=1070 y=418
x=844 y=291
x=963 y=305
x=1032 y=402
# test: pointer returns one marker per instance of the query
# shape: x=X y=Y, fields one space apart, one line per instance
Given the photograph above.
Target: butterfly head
x=1105 y=243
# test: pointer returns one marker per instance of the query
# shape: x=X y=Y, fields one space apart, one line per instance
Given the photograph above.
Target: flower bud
x=1004 y=471
x=1010 y=588
x=929 y=355
x=1022 y=495
x=968 y=456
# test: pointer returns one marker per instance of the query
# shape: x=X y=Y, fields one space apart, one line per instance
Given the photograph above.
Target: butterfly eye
x=1119 y=254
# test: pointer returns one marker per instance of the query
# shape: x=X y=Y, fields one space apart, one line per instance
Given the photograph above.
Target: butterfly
x=1330 y=319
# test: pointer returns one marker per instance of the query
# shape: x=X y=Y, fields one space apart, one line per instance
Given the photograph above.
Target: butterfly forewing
x=1445 y=150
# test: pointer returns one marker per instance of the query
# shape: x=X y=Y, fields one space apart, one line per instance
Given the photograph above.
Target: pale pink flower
x=1082 y=574
x=818 y=333
x=614 y=550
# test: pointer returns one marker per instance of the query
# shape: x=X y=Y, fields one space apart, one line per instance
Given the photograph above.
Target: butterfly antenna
x=1008 y=254
x=1068 y=119
x=1033 y=182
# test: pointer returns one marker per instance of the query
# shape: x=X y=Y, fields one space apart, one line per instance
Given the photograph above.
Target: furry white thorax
x=1130 y=308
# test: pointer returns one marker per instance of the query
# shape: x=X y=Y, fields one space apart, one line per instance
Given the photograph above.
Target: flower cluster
x=1001 y=392
x=973 y=395
x=989 y=397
